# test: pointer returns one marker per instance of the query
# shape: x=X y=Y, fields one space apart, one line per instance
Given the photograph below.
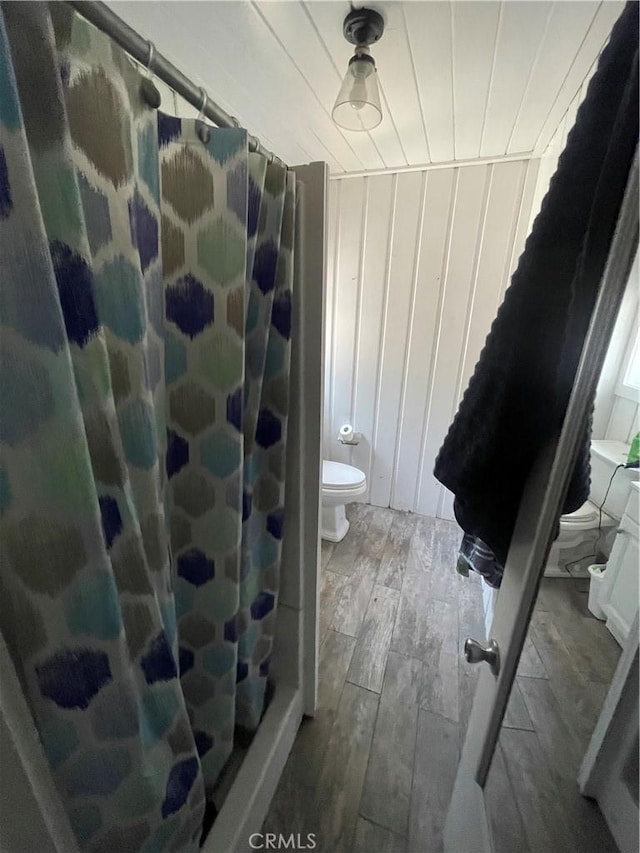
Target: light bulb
x=359 y=96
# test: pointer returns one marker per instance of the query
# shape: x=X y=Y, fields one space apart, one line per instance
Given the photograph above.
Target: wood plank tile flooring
x=374 y=769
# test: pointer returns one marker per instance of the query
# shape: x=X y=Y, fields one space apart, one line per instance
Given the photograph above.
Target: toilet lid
x=584 y=515
x=336 y=475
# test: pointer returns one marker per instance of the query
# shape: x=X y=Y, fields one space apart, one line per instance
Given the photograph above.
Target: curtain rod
x=142 y=50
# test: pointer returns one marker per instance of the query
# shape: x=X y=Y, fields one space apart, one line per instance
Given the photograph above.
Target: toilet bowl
x=341 y=484
x=581 y=536
x=590 y=530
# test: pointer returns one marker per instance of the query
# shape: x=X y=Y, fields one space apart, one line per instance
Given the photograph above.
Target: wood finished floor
x=373 y=771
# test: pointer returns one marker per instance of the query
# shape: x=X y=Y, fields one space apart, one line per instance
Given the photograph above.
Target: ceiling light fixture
x=357 y=106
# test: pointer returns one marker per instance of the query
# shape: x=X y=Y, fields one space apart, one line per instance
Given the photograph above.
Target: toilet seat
x=586 y=517
x=583 y=517
x=338 y=477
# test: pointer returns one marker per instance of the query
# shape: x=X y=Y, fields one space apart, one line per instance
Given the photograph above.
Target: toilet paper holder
x=346 y=435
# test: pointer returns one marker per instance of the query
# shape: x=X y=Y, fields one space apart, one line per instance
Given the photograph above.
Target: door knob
x=474 y=652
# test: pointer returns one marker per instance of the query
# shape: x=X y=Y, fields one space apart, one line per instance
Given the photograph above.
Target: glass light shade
x=357 y=106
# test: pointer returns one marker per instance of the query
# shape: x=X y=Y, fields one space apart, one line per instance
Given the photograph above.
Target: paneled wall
x=418 y=265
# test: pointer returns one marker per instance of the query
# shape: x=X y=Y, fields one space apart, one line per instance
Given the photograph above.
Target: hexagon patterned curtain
x=145 y=304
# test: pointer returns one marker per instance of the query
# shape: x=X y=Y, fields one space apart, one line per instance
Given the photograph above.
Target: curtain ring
x=148 y=89
x=152 y=50
x=202 y=128
x=203 y=104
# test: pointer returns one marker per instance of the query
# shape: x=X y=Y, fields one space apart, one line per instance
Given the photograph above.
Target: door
x=467 y=827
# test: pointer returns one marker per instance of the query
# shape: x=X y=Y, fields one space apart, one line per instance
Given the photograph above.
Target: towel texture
x=518 y=395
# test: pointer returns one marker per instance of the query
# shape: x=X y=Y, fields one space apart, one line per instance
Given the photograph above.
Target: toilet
x=341 y=484
x=579 y=540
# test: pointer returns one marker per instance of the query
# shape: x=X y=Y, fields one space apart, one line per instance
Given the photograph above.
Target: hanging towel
x=517 y=397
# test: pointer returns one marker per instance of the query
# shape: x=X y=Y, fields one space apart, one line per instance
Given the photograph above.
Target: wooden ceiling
x=460 y=80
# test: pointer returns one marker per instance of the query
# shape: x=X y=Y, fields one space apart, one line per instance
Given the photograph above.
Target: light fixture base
x=363 y=27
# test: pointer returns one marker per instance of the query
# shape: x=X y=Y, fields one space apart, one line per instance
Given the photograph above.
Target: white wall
x=624 y=420
x=418 y=265
x=616 y=414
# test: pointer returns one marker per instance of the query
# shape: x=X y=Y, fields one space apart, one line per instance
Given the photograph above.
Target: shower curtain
x=145 y=309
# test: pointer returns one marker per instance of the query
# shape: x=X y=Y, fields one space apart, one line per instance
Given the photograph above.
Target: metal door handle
x=474 y=652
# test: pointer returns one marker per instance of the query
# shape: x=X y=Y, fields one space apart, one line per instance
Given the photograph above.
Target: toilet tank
x=605 y=455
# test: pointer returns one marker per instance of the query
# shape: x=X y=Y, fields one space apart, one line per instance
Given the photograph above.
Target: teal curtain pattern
x=145 y=310
x=266 y=399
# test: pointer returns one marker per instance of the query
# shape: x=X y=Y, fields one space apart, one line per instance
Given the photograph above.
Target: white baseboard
x=616 y=625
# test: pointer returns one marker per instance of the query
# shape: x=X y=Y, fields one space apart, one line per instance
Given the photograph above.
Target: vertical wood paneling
x=421 y=260
x=422 y=334
x=409 y=192
x=345 y=303
x=524 y=216
x=375 y=278
x=333 y=257
x=505 y=191
x=546 y=170
x=463 y=254
x=494 y=255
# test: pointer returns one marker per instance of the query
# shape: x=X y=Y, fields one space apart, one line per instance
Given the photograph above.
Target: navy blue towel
x=517 y=397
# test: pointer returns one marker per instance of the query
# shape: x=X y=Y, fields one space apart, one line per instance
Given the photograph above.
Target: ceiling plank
x=522 y=28
x=394 y=59
x=568 y=25
x=595 y=39
x=429 y=31
x=475 y=28
x=386 y=138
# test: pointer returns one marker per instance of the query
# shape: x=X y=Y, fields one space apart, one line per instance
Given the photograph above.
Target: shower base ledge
x=248 y=800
